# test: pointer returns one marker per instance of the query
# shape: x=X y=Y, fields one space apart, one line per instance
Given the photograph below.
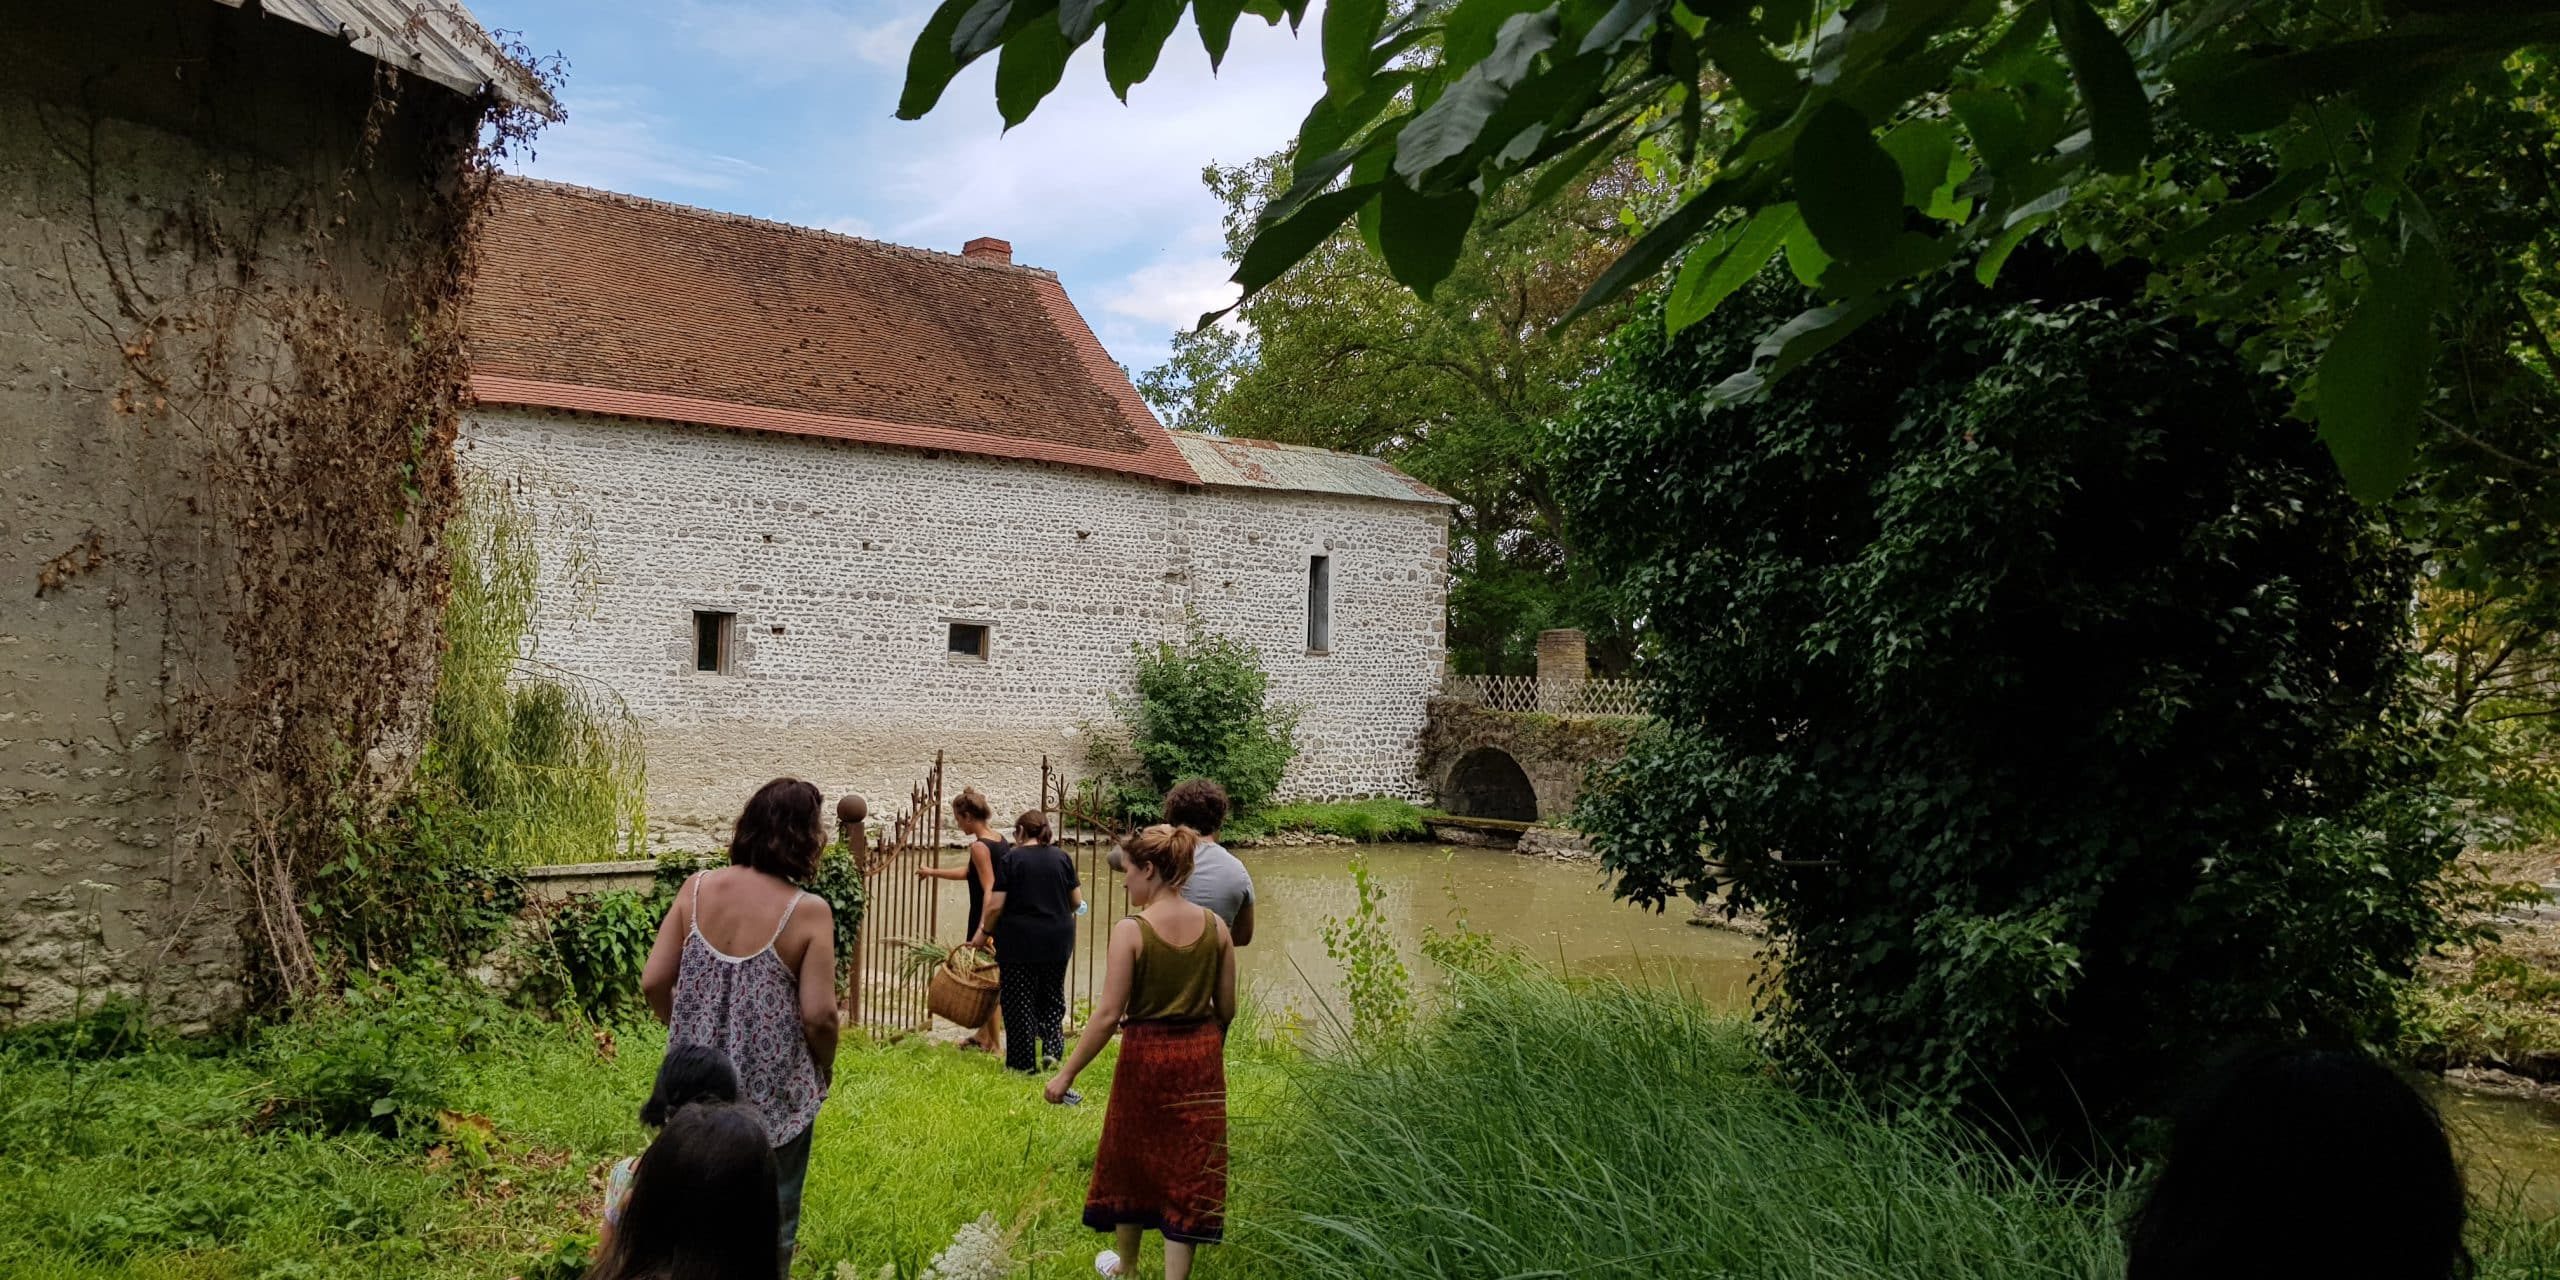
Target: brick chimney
x=988 y=249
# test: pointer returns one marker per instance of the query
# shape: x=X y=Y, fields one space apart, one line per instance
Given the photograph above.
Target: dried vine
x=289 y=396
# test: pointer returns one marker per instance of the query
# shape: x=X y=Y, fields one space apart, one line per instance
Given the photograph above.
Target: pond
x=1562 y=912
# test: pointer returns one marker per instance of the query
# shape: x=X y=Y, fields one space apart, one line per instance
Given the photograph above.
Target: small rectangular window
x=711 y=633
x=969 y=641
x=1319 y=604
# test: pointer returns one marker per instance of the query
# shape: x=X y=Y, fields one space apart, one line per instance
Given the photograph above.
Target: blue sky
x=781 y=109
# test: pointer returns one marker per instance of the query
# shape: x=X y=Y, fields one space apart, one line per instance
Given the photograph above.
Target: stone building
x=824 y=506
x=175 y=177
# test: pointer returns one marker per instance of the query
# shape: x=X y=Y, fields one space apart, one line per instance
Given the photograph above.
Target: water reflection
x=1559 y=912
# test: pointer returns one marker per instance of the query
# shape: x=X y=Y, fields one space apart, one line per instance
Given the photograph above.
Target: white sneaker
x=1107 y=1262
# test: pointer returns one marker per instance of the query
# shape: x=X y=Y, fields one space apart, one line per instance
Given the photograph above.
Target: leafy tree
x=2030 y=673
x=1200 y=711
x=1875 y=141
x=1457 y=389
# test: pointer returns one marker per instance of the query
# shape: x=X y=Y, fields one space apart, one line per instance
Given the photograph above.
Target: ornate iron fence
x=1553 y=697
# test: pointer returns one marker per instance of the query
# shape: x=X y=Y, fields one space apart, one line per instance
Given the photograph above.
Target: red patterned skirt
x=1163 y=1163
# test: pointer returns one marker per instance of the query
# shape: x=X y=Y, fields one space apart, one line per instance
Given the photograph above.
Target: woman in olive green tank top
x=1169 y=992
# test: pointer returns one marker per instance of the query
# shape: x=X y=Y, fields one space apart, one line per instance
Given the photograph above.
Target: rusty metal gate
x=882 y=993
x=900 y=907
x=1087 y=831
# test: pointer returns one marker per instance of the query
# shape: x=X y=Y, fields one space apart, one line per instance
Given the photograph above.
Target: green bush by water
x=1369 y=821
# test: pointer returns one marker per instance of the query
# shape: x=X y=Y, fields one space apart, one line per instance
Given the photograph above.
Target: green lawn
x=1540 y=1131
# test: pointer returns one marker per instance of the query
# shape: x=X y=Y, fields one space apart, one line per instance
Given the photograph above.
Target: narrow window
x=1319 y=604
x=711 y=640
x=969 y=641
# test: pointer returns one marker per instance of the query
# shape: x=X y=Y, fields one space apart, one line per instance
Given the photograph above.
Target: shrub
x=2033 y=673
x=603 y=942
x=1375 y=982
x=1200 y=711
x=1369 y=821
x=386 y=1061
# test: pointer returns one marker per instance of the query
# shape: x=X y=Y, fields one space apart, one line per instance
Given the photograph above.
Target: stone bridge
x=1517 y=748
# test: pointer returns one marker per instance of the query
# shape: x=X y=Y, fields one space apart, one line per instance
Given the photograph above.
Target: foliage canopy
x=1873 y=141
x=1200 y=710
x=1457 y=390
x=2030 y=673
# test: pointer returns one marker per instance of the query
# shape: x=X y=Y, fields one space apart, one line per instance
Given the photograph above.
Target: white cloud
x=790 y=41
x=1172 y=295
x=614 y=140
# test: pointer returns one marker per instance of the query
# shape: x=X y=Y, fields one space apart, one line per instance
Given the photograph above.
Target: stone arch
x=1488 y=783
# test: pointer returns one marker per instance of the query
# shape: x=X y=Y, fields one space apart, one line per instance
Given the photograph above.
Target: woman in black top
x=986 y=853
x=1031 y=917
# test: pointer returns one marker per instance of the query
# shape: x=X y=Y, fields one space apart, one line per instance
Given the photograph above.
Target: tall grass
x=1533 y=1128
x=548 y=765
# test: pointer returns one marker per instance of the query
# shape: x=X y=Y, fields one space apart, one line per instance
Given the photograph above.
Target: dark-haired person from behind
x=689 y=1074
x=1031 y=918
x=1218 y=878
x=703 y=1205
x=2303 y=1162
x=975 y=817
x=745 y=963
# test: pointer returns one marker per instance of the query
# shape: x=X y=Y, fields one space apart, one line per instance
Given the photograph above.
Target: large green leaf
x=1443 y=131
x=1923 y=150
x=1217 y=22
x=1753 y=245
x=2119 y=111
x=981 y=29
x=1625 y=23
x=1468 y=31
x=2372 y=381
x=1768 y=83
x=1848 y=189
x=1805 y=256
x=1997 y=126
x=1795 y=342
x=1133 y=37
x=930 y=65
x=1028 y=69
x=1655 y=247
x=1277 y=246
x=1350 y=27
x=1330 y=124
x=1079 y=19
x=1420 y=235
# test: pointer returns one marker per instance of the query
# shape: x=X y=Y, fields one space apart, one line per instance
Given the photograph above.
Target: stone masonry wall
x=845 y=565
x=152 y=128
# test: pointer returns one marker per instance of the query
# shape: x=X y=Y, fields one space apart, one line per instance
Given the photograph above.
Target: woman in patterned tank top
x=745 y=963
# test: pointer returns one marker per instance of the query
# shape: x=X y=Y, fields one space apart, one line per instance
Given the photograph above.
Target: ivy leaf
x=930 y=65
x=1757 y=242
x=1420 y=235
x=1133 y=37
x=2119 y=112
x=1350 y=27
x=1028 y=69
x=1848 y=189
x=2372 y=381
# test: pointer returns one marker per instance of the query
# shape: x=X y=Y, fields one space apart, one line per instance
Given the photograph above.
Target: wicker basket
x=963 y=989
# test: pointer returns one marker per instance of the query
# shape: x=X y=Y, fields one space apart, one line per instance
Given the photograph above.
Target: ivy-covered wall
x=227 y=245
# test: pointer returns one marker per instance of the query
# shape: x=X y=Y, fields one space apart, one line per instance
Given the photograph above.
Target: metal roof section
x=436 y=39
x=1263 y=464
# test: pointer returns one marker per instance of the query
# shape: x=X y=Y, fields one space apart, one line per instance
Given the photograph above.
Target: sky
x=782 y=109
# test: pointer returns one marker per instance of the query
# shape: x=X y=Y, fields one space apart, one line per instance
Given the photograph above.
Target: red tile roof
x=612 y=304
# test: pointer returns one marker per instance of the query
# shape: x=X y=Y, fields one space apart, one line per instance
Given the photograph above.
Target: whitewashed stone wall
x=845 y=565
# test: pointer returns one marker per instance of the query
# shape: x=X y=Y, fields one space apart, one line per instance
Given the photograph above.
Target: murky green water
x=1563 y=911
x=1560 y=912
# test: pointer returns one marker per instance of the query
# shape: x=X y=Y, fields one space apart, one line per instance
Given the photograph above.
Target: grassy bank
x=1539 y=1131
x=1367 y=821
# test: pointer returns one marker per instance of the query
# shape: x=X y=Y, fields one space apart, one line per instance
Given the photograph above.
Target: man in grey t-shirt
x=1218 y=878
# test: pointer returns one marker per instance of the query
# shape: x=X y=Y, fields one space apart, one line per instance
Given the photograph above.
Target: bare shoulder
x=1126 y=930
